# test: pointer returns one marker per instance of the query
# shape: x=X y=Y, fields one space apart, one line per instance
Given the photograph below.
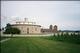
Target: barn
x=27 y=27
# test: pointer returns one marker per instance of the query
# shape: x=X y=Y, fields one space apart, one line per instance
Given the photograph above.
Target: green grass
x=2 y=38
x=75 y=39
x=38 y=45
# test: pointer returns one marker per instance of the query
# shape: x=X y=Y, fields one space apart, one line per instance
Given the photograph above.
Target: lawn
x=38 y=45
x=2 y=38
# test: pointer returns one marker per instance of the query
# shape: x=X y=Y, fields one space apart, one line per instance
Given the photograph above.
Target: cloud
x=65 y=14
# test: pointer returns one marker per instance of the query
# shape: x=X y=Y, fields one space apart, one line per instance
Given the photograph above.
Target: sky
x=64 y=14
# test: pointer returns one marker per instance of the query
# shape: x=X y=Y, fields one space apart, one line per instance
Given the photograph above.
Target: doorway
x=27 y=30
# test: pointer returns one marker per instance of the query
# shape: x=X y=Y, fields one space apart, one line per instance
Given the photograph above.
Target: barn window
x=35 y=29
x=22 y=27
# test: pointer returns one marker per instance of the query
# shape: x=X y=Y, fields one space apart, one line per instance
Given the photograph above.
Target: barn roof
x=24 y=25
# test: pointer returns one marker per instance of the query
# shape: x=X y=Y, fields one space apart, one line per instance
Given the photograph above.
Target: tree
x=15 y=31
x=10 y=30
x=1 y=29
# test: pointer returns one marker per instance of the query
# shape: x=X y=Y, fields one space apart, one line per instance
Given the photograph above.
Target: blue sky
x=64 y=14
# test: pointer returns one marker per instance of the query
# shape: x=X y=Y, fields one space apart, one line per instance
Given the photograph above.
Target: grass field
x=2 y=38
x=38 y=45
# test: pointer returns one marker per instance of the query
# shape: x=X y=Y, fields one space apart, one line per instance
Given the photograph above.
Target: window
x=21 y=27
x=35 y=29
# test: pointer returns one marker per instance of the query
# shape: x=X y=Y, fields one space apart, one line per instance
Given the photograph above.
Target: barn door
x=27 y=30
